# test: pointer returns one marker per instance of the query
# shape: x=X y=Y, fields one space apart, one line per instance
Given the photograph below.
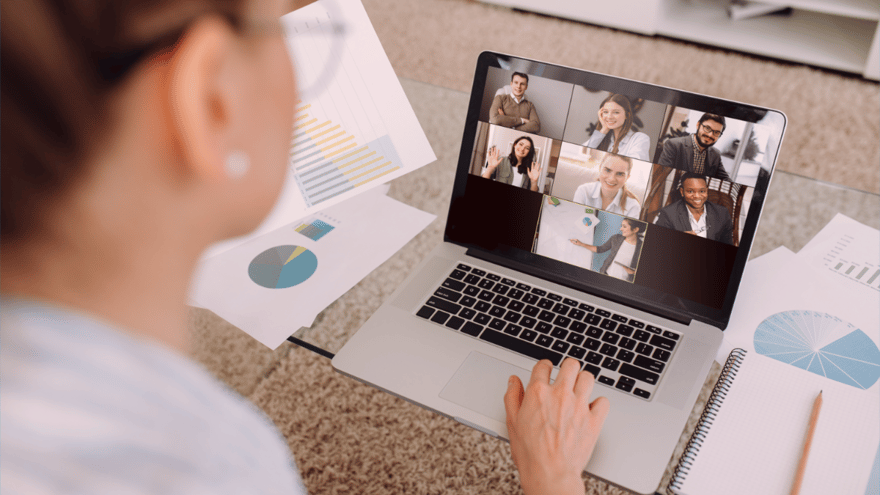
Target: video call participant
x=514 y=110
x=518 y=168
x=695 y=153
x=609 y=192
x=614 y=131
x=625 y=248
x=695 y=214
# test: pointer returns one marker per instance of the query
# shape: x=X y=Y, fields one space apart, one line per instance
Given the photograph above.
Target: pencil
x=802 y=466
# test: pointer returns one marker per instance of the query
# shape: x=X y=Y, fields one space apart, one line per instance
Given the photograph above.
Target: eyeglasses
x=708 y=130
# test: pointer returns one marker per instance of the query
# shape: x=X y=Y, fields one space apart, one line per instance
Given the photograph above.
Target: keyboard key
x=653 y=329
x=522 y=347
x=662 y=355
x=467 y=313
x=512 y=317
x=486 y=284
x=628 y=344
x=577 y=326
x=523 y=287
x=546 y=303
x=639 y=374
x=606 y=380
x=648 y=363
x=530 y=299
x=610 y=363
x=453 y=284
x=592 y=319
x=594 y=332
x=515 y=294
x=457 y=274
x=586 y=307
x=594 y=370
x=471 y=290
x=576 y=314
x=575 y=338
x=602 y=312
x=670 y=335
x=663 y=343
x=570 y=302
x=497 y=324
x=483 y=306
x=560 y=346
x=558 y=333
x=507 y=281
x=562 y=321
x=554 y=297
x=455 y=323
x=516 y=306
x=625 y=355
x=577 y=352
x=544 y=327
x=501 y=300
x=528 y=335
x=528 y=322
x=625 y=330
x=531 y=311
x=608 y=350
x=467 y=301
x=620 y=318
x=497 y=311
x=645 y=349
x=449 y=307
x=560 y=309
x=625 y=383
x=642 y=335
x=544 y=340
x=492 y=276
x=463 y=267
x=447 y=294
x=425 y=312
x=611 y=338
x=512 y=329
x=486 y=296
x=472 y=279
x=482 y=318
x=608 y=324
x=592 y=344
x=472 y=328
x=500 y=289
x=440 y=317
x=636 y=323
x=594 y=357
x=546 y=316
x=642 y=393
x=540 y=292
x=477 y=271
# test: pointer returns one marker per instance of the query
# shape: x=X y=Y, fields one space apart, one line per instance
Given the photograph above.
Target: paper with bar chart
x=273 y=285
x=850 y=250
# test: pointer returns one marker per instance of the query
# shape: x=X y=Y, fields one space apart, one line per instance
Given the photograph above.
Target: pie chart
x=822 y=344
x=281 y=267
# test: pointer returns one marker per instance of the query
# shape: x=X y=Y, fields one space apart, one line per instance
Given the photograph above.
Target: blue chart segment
x=801 y=338
x=282 y=267
x=315 y=229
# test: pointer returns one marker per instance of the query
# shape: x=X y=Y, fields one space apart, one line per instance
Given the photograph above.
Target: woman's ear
x=198 y=96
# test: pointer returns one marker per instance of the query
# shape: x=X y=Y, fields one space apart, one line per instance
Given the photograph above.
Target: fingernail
x=510 y=381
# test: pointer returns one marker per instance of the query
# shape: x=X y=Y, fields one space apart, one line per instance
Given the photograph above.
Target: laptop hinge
x=576 y=285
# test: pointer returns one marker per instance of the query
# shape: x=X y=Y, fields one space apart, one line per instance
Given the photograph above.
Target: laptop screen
x=642 y=194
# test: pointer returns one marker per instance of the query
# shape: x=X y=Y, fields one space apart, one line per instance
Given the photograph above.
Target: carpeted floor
x=350 y=438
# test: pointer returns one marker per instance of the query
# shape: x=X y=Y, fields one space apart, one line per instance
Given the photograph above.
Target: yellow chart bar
x=355 y=152
x=337 y=143
x=348 y=172
x=340 y=150
x=305 y=124
x=376 y=176
x=303 y=116
x=356 y=160
x=298 y=110
x=369 y=171
x=313 y=129
x=319 y=143
x=325 y=131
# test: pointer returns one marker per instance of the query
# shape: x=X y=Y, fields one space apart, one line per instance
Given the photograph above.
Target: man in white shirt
x=695 y=214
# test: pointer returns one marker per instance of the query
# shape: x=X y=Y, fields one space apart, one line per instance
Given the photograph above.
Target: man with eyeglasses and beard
x=695 y=153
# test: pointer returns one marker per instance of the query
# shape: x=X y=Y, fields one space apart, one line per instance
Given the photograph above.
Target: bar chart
x=314 y=229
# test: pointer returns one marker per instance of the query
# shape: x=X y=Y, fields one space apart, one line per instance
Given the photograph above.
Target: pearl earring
x=237 y=164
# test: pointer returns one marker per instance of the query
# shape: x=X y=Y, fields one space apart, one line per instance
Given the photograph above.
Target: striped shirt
x=699 y=156
x=87 y=408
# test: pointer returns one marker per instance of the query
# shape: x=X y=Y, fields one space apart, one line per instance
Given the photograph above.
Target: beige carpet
x=350 y=438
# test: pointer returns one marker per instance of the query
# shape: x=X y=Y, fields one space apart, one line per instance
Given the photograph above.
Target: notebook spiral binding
x=713 y=405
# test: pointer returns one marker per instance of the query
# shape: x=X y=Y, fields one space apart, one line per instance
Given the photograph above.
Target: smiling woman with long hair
x=614 y=130
x=519 y=166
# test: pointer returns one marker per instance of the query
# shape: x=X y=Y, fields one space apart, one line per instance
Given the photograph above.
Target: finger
x=541 y=372
x=584 y=386
x=567 y=374
x=513 y=401
x=599 y=411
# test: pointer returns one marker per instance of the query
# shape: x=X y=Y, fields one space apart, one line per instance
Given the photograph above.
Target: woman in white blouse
x=614 y=131
x=609 y=192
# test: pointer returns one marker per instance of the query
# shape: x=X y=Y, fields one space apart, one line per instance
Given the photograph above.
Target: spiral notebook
x=750 y=436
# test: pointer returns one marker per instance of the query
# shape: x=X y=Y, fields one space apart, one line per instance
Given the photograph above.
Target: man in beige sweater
x=514 y=110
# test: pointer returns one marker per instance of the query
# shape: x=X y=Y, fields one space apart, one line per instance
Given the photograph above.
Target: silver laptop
x=592 y=217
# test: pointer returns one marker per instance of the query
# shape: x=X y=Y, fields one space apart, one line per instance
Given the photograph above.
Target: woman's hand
x=576 y=242
x=494 y=158
x=628 y=270
x=602 y=127
x=553 y=429
x=534 y=174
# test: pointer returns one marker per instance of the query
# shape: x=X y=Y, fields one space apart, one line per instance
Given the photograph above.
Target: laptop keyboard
x=621 y=352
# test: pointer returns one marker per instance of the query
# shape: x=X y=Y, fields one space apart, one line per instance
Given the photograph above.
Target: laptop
x=537 y=184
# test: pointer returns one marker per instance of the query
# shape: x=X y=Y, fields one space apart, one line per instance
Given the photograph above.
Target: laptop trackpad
x=480 y=384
